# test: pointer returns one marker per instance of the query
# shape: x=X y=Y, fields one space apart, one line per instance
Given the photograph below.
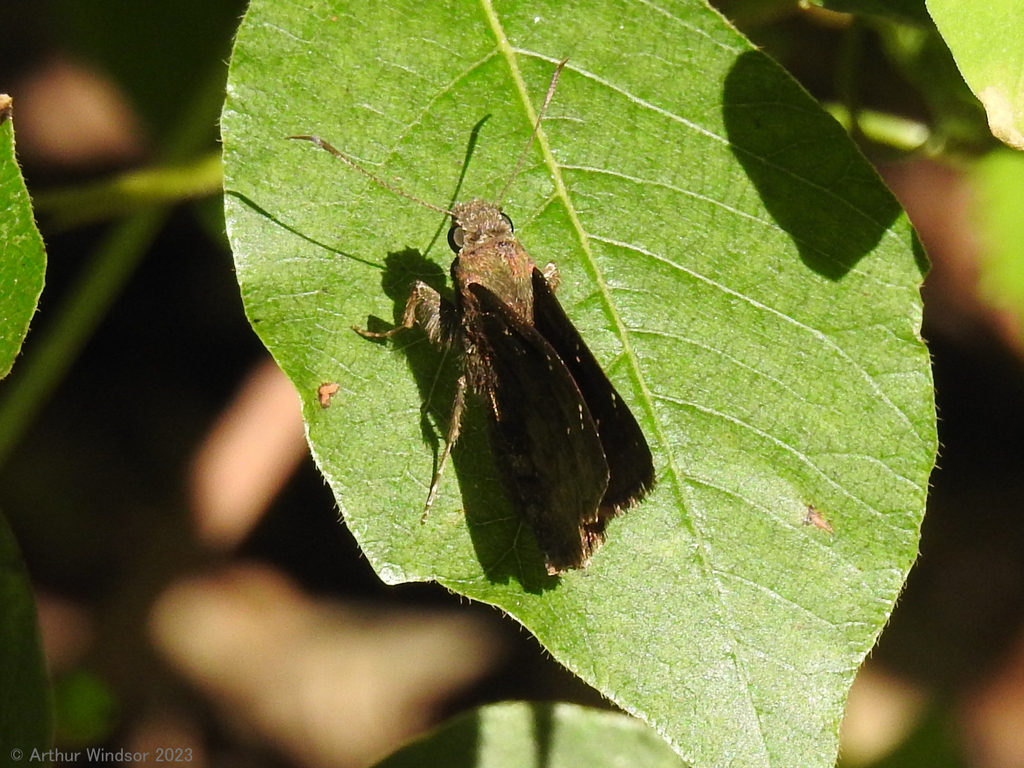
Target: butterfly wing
x=630 y=466
x=549 y=451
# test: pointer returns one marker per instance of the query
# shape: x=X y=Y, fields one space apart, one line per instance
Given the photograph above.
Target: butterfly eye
x=511 y=226
x=456 y=238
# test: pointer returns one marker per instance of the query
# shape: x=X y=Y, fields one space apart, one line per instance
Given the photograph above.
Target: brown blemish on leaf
x=325 y=392
x=813 y=517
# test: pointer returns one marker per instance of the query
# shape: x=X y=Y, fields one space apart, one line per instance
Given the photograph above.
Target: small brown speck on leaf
x=325 y=392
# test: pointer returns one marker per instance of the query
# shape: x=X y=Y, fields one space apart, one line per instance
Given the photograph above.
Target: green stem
x=51 y=355
x=87 y=204
x=848 y=70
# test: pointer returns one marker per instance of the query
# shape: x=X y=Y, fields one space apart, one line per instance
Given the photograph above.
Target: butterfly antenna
x=536 y=128
x=346 y=159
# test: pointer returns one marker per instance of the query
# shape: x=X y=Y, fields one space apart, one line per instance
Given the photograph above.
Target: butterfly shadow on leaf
x=504 y=545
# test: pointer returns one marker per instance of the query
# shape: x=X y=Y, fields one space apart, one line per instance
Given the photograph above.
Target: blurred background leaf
x=986 y=41
x=552 y=735
x=23 y=261
x=901 y=10
x=29 y=724
x=1000 y=182
x=26 y=719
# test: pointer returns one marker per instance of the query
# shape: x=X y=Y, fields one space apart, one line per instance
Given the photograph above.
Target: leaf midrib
x=509 y=53
x=619 y=327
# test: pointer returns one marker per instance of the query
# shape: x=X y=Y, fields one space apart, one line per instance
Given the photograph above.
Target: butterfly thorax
x=492 y=257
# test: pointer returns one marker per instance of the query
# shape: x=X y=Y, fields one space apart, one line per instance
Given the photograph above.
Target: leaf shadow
x=504 y=546
x=809 y=194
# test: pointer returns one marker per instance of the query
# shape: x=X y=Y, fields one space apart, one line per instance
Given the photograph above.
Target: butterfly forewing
x=630 y=466
x=553 y=465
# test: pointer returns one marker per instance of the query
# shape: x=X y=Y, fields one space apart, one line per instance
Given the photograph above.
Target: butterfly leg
x=436 y=316
x=454 y=426
x=425 y=308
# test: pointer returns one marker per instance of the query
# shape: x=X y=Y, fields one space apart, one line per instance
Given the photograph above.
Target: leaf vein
x=824 y=255
x=802 y=457
x=819 y=335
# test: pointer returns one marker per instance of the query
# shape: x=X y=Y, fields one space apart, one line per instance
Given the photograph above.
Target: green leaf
x=26 y=717
x=999 y=181
x=985 y=39
x=747 y=281
x=23 y=260
x=517 y=735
